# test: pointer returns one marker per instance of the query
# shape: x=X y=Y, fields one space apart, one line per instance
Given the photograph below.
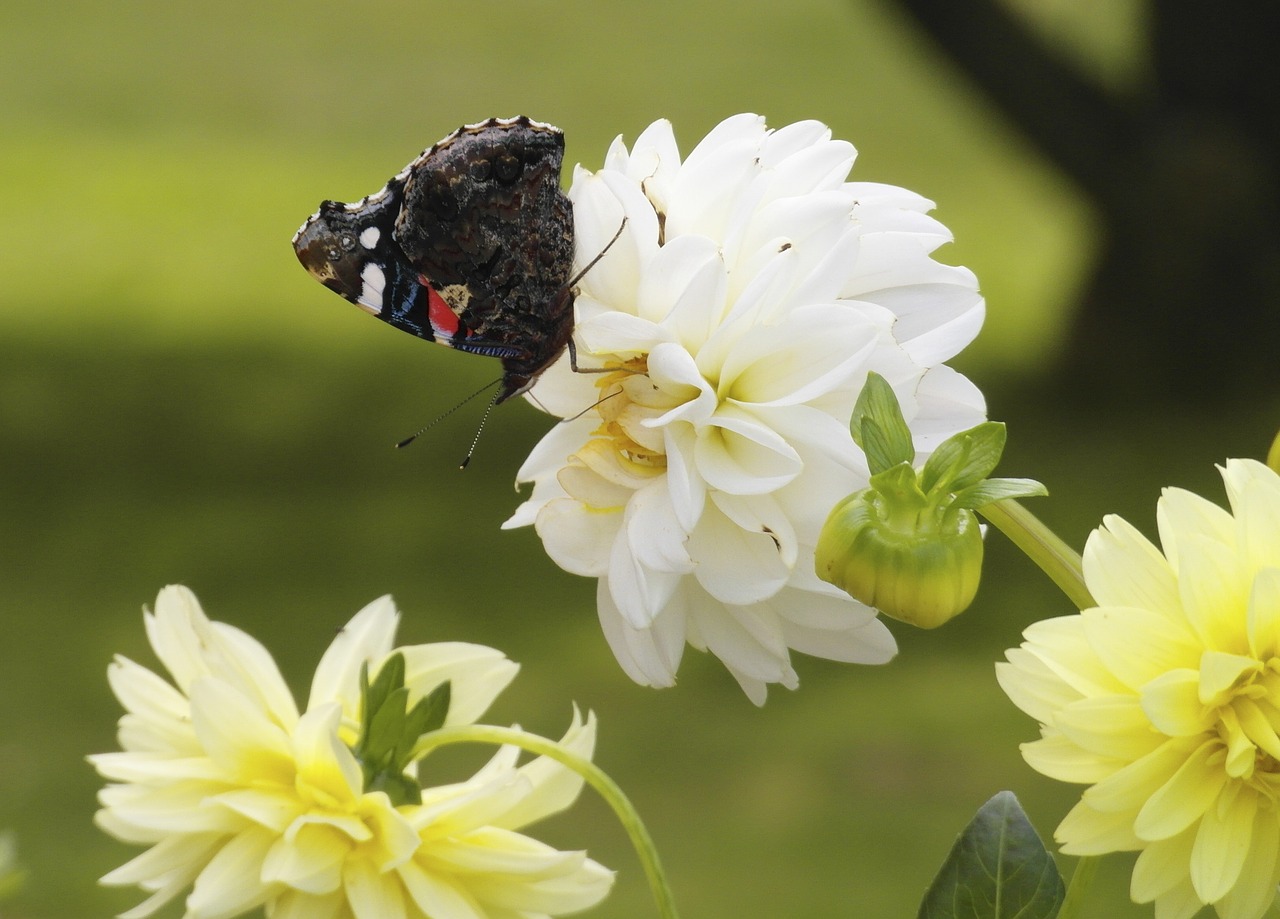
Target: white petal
x=367 y=637
x=687 y=488
x=747 y=639
x=579 y=538
x=789 y=364
x=653 y=531
x=439 y=894
x=477 y=675
x=237 y=734
x=761 y=514
x=868 y=643
x=738 y=454
x=372 y=895
x=554 y=450
x=734 y=565
x=552 y=787
x=620 y=333
x=231 y=883
x=650 y=656
x=640 y=592
x=684 y=288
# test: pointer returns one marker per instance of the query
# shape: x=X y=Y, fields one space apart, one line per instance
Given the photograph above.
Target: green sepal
x=878 y=426
x=390 y=729
x=997 y=869
x=899 y=486
x=991 y=490
x=964 y=459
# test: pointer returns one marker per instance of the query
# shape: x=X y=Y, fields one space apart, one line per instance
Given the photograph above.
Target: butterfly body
x=470 y=246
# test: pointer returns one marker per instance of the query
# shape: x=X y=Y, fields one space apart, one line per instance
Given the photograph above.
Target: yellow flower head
x=249 y=803
x=1165 y=699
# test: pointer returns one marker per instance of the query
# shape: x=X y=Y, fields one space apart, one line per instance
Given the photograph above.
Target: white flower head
x=250 y=804
x=737 y=315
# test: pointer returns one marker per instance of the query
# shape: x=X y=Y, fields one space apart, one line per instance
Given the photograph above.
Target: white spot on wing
x=373 y=281
x=369 y=237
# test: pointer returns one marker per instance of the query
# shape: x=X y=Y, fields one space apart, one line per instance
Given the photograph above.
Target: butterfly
x=469 y=246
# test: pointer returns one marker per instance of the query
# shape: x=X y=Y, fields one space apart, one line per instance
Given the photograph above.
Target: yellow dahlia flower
x=1165 y=700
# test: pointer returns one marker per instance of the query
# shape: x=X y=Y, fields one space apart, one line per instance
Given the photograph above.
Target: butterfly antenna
x=439 y=418
x=595 y=404
x=475 y=440
x=591 y=264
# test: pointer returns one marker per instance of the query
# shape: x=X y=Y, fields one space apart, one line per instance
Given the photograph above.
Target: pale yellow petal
x=1129 y=789
x=1183 y=800
x=1058 y=758
x=552 y=787
x=1180 y=515
x=1123 y=568
x=585 y=885
x=1255 y=891
x=1264 y=615
x=1137 y=645
x=1063 y=647
x=1221 y=673
x=1161 y=867
x=309 y=860
x=1086 y=831
x=1172 y=703
x=1032 y=686
x=439 y=894
x=371 y=893
x=294 y=904
x=1215 y=594
x=1222 y=845
x=1254 y=492
x=1110 y=727
x=366 y=637
x=231 y=882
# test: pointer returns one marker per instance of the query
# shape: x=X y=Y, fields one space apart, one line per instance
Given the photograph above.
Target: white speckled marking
x=373 y=280
x=369 y=237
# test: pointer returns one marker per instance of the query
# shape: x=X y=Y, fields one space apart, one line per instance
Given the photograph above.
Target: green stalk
x=1081 y=881
x=1055 y=558
x=590 y=772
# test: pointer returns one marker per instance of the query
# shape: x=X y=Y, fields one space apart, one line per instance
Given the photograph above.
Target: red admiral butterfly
x=470 y=245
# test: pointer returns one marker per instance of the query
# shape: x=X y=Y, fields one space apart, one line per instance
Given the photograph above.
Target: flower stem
x=1081 y=881
x=590 y=772
x=1055 y=558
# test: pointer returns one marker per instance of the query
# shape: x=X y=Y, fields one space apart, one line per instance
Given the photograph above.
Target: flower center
x=1248 y=719
x=628 y=397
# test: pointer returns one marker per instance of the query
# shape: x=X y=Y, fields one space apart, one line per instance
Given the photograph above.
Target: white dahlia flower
x=736 y=317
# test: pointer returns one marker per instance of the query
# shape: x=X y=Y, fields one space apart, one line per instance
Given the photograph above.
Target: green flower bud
x=912 y=560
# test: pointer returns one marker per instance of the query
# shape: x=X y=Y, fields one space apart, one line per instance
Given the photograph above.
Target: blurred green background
x=179 y=402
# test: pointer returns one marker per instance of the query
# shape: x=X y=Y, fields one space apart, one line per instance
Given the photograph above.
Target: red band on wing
x=444 y=321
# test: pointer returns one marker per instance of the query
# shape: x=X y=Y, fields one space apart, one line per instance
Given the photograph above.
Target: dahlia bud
x=923 y=575
x=910 y=544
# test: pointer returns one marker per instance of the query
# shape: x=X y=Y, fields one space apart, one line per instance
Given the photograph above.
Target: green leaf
x=878 y=426
x=998 y=869
x=428 y=715
x=991 y=490
x=964 y=459
x=374 y=695
x=387 y=726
